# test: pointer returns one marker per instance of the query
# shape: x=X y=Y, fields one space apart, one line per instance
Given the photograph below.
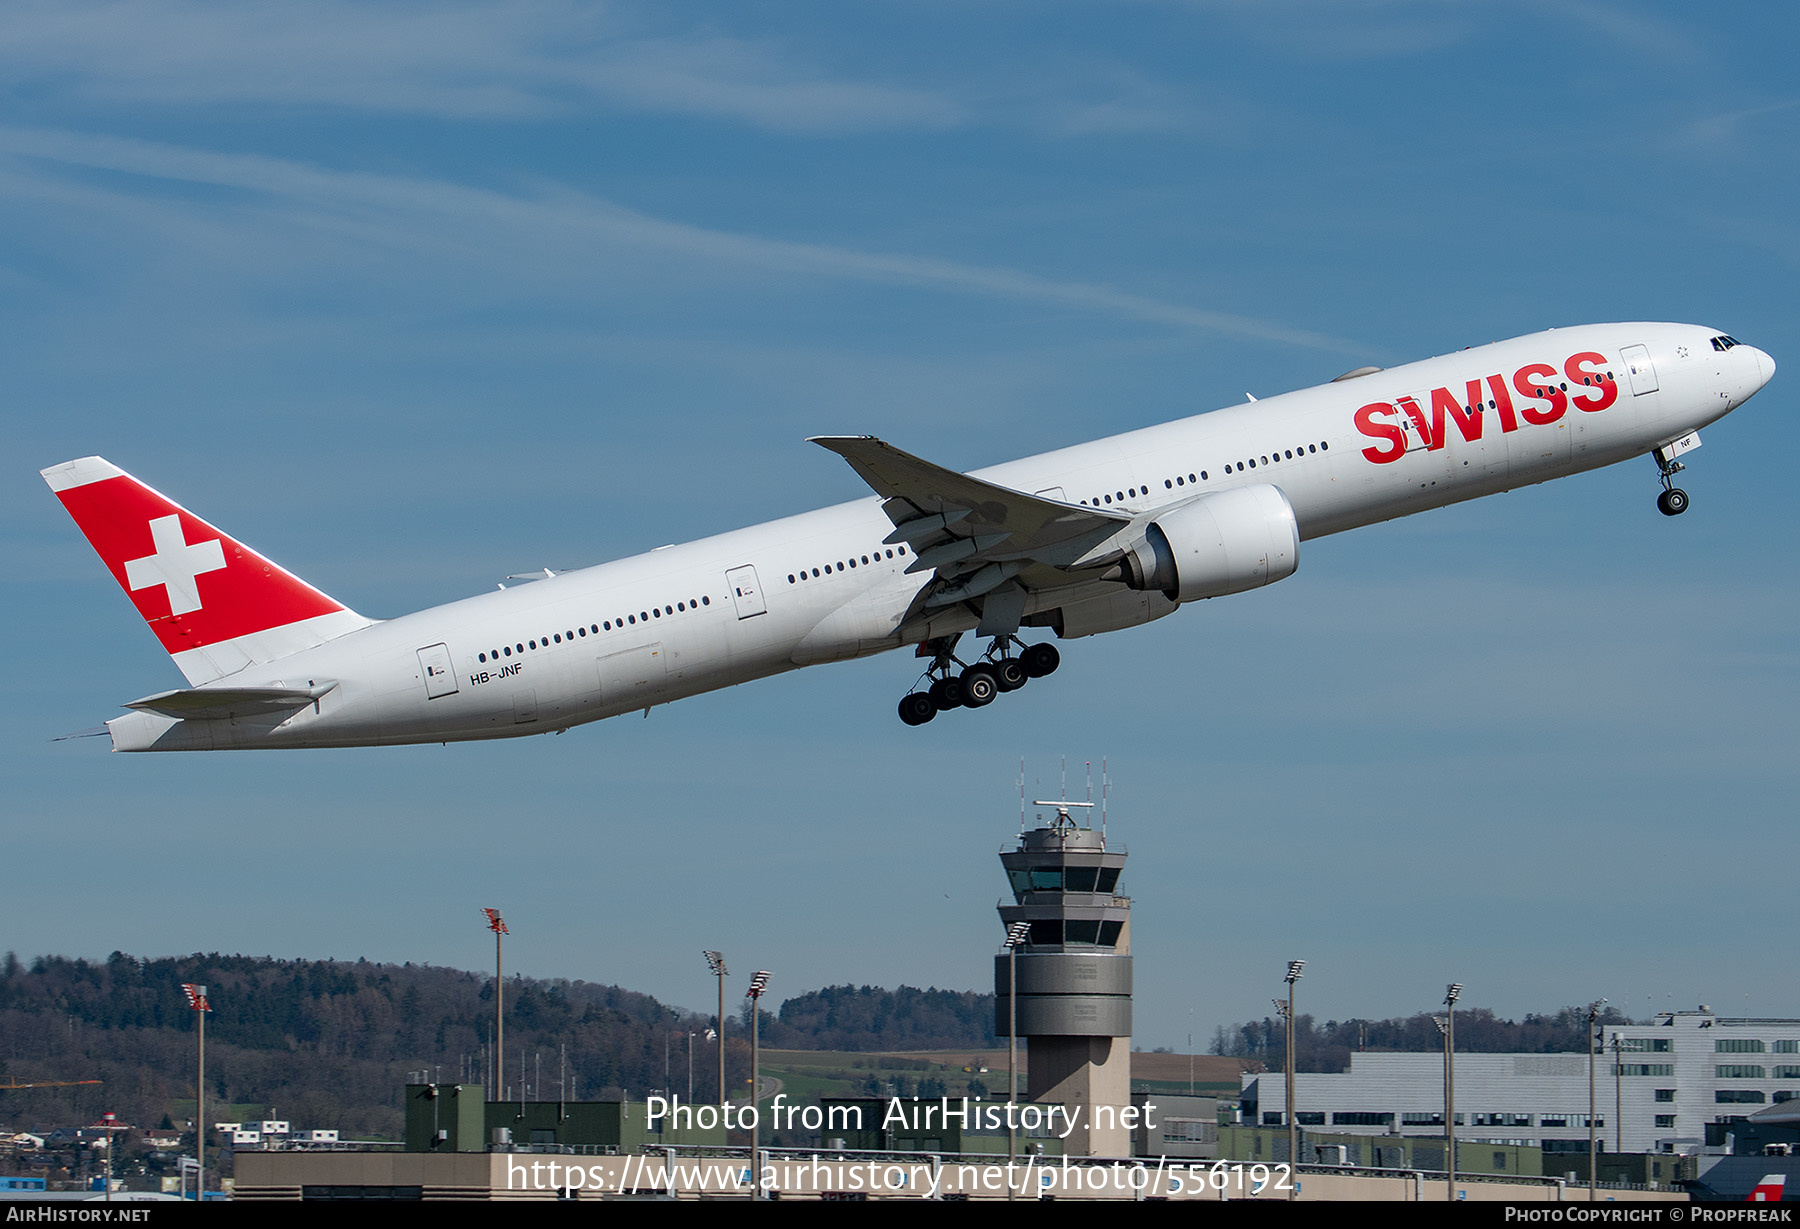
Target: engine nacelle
x=1110 y=612
x=1223 y=542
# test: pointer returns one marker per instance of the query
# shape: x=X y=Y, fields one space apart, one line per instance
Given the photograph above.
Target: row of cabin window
x=1202 y=476
x=795 y=578
x=596 y=628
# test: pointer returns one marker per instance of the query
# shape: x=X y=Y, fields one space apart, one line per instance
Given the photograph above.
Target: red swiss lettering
x=1503 y=405
x=1467 y=418
x=1537 y=381
x=1390 y=432
x=1420 y=422
x=1576 y=369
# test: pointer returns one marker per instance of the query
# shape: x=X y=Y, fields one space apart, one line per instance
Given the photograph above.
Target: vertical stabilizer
x=216 y=605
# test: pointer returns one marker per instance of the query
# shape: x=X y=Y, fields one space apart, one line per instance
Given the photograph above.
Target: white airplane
x=1082 y=540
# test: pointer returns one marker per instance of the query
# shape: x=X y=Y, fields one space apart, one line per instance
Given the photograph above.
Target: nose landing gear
x=977 y=685
x=1673 y=501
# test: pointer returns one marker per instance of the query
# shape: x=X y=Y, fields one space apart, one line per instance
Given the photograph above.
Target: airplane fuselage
x=831 y=584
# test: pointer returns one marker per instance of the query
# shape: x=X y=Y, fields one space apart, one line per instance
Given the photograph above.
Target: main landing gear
x=1673 y=501
x=978 y=685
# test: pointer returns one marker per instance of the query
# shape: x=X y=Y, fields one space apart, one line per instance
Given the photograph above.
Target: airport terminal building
x=1661 y=1089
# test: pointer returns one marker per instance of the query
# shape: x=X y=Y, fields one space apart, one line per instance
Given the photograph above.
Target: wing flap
x=930 y=504
x=976 y=537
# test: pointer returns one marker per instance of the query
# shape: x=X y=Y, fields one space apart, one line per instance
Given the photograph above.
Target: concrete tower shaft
x=1074 y=976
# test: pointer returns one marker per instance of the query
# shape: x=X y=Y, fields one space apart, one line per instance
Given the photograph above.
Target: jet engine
x=1223 y=542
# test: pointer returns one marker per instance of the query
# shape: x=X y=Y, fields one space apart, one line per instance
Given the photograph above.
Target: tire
x=917 y=708
x=1040 y=659
x=1672 y=502
x=1010 y=673
x=979 y=687
x=947 y=693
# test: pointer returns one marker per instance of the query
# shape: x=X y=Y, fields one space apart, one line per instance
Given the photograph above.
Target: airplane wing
x=977 y=538
x=227 y=702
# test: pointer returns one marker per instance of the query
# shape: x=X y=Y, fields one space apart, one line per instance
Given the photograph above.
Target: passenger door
x=439 y=675
x=746 y=592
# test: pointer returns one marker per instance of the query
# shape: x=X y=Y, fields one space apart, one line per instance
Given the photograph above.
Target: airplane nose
x=1765 y=367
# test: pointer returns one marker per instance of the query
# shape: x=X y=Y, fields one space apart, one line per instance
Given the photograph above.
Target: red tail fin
x=215 y=604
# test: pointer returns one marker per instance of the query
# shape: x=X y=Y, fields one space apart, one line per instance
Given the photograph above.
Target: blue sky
x=411 y=297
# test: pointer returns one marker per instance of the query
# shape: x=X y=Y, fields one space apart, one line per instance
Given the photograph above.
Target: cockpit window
x=1722 y=342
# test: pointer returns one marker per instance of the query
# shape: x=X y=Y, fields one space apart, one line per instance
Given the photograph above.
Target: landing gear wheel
x=1672 y=502
x=947 y=693
x=1010 y=674
x=979 y=686
x=917 y=708
x=1040 y=659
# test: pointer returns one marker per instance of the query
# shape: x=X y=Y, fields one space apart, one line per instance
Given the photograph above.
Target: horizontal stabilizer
x=217 y=703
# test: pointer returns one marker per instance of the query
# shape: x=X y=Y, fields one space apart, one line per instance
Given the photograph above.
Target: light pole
x=1593 y=1014
x=1293 y=975
x=716 y=963
x=1452 y=992
x=497 y=924
x=196 y=997
x=109 y=1124
x=758 y=983
x=1016 y=935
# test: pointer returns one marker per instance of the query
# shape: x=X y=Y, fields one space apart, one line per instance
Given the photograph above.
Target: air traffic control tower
x=1074 y=1007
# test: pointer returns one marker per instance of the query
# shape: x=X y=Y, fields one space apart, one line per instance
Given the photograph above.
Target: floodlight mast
x=110 y=1124
x=1452 y=992
x=1293 y=975
x=1017 y=934
x=758 y=983
x=716 y=962
x=497 y=924
x=196 y=997
x=1593 y=1014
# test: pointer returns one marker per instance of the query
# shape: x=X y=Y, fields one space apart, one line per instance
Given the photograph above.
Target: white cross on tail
x=175 y=565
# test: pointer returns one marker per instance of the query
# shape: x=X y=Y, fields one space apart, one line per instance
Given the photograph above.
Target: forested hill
x=330 y=1043
x=871 y=1018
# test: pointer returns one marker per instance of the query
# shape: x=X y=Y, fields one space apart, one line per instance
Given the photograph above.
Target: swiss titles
x=1536 y=396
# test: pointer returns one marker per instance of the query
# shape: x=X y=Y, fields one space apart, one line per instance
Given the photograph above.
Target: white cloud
x=456 y=59
x=557 y=233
